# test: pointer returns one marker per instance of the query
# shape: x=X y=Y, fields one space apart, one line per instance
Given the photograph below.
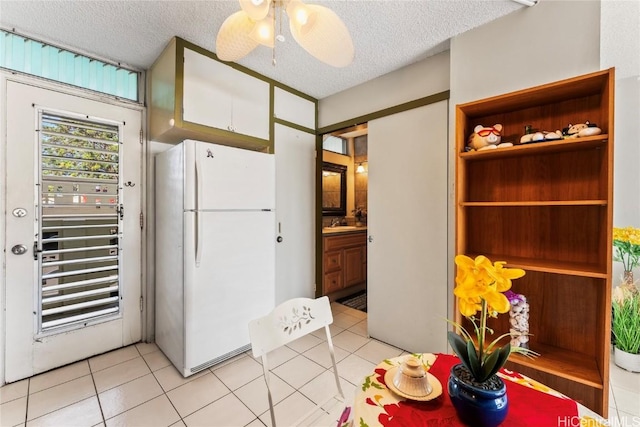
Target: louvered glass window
x=29 y=56
x=80 y=220
x=335 y=144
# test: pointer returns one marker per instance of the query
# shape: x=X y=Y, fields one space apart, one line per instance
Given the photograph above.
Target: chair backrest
x=287 y=322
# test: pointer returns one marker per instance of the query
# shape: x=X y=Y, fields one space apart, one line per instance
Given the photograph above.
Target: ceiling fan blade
x=324 y=36
x=233 y=41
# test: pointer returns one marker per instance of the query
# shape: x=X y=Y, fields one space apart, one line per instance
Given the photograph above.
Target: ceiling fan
x=316 y=28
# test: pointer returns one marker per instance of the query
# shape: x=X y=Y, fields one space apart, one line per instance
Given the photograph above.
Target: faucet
x=335 y=222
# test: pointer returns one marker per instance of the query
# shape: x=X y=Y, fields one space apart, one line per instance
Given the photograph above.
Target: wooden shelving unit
x=547 y=208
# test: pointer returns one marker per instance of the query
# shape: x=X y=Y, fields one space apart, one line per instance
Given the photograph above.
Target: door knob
x=19 y=249
x=370 y=239
x=279 y=239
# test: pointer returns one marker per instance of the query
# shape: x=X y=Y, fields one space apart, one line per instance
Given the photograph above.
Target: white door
x=295 y=213
x=73 y=240
x=407 y=224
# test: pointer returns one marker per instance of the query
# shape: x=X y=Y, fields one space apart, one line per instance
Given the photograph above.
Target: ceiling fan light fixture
x=233 y=41
x=255 y=9
x=316 y=28
x=301 y=16
x=263 y=32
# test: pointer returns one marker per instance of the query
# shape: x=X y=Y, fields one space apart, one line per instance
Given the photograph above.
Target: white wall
x=154 y=148
x=620 y=48
x=421 y=79
x=551 y=41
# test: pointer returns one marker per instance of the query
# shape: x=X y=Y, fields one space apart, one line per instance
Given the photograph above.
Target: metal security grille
x=80 y=220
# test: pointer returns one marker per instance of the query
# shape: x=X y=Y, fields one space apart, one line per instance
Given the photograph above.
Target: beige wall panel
x=415 y=81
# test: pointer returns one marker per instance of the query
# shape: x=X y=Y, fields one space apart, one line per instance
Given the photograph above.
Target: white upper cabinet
x=195 y=96
x=293 y=108
x=219 y=96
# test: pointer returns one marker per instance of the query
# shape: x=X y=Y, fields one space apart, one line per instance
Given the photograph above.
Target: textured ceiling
x=387 y=34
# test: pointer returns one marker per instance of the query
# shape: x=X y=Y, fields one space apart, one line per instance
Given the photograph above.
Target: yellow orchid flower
x=503 y=276
x=497 y=302
x=469 y=306
x=479 y=288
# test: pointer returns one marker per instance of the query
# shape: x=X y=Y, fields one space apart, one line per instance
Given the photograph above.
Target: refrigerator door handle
x=198 y=237
x=198 y=184
x=198 y=213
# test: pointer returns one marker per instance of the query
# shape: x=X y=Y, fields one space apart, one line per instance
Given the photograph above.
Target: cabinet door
x=219 y=96
x=207 y=91
x=332 y=282
x=353 y=271
x=293 y=108
x=333 y=261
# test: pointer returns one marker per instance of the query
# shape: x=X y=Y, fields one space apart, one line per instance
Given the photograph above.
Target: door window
x=80 y=221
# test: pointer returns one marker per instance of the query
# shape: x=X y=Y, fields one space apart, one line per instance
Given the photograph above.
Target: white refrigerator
x=215 y=250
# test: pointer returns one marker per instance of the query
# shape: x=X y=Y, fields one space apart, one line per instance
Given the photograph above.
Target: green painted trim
x=178 y=81
x=295 y=92
x=421 y=102
x=183 y=43
x=272 y=124
x=319 y=238
x=226 y=135
x=295 y=126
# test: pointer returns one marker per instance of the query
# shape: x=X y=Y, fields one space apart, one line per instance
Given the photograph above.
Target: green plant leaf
x=504 y=355
x=460 y=328
x=459 y=348
x=626 y=324
x=475 y=364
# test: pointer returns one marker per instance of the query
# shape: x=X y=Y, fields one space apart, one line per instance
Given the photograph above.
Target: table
x=377 y=405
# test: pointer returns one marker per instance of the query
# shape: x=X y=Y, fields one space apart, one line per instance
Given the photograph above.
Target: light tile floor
x=138 y=386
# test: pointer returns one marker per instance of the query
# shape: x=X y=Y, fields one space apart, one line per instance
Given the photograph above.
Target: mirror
x=334 y=189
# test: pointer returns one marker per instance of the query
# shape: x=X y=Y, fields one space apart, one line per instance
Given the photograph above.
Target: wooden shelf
x=541 y=203
x=555 y=267
x=562 y=363
x=575 y=87
x=547 y=208
x=587 y=143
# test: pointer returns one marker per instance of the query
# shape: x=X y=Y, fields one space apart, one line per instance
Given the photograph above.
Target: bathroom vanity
x=345 y=258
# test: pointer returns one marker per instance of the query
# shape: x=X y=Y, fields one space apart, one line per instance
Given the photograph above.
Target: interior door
x=73 y=263
x=407 y=225
x=295 y=153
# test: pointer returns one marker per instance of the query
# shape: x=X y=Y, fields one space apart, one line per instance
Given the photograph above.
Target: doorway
x=74 y=186
x=344 y=215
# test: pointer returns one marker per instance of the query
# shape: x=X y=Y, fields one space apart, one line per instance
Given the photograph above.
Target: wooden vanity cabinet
x=547 y=208
x=345 y=261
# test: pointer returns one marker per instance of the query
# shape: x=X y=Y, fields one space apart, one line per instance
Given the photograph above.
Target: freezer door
x=233 y=284
x=226 y=178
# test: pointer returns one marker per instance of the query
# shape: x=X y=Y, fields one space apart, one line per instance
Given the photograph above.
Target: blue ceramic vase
x=475 y=406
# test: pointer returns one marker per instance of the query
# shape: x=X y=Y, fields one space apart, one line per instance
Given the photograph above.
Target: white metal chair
x=289 y=321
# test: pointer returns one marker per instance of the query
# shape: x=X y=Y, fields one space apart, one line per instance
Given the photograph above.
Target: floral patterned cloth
x=530 y=402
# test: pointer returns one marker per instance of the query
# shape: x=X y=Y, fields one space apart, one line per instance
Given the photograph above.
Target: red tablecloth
x=528 y=405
